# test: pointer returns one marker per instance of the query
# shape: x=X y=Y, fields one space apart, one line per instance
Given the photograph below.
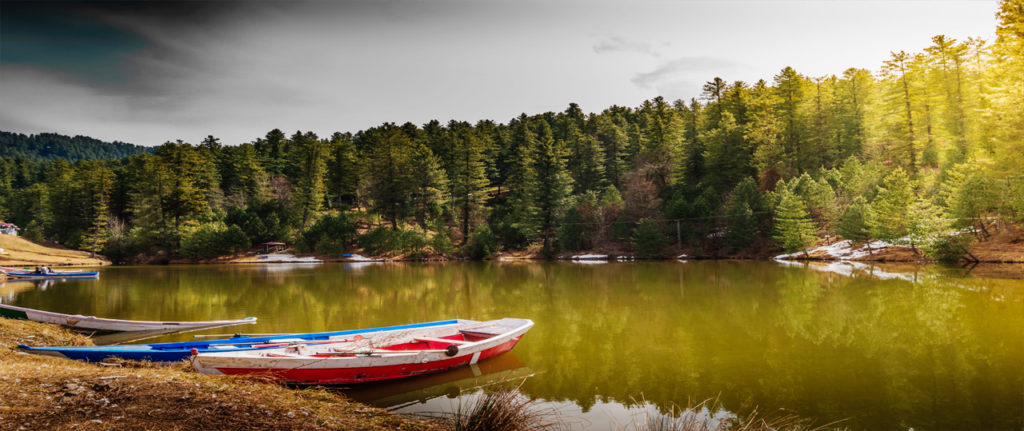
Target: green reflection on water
x=943 y=349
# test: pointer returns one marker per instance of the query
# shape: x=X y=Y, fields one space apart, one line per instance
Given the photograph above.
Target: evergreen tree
x=613 y=141
x=98 y=183
x=728 y=156
x=467 y=176
x=891 y=208
x=343 y=177
x=309 y=158
x=794 y=230
x=741 y=227
x=855 y=221
x=389 y=170
x=552 y=186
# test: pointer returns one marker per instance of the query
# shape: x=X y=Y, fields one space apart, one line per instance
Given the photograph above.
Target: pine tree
x=794 y=230
x=309 y=158
x=389 y=170
x=891 y=208
x=741 y=227
x=520 y=182
x=553 y=183
x=98 y=183
x=855 y=221
x=614 y=142
x=343 y=177
x=467 y=176
x=727 y=156
x=662 y=142
x=586 y=165
x=925 y=224
x=789 y=96
x=429 y=185
x=897 y=68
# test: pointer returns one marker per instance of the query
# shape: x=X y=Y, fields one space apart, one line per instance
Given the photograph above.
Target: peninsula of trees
x=929 y=152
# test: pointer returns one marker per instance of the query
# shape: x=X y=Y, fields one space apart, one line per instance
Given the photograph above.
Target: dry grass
x=22 y=252
x=503 y=410
x=51 y=393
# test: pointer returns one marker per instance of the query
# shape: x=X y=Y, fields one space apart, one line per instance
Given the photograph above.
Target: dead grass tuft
x=503 y=410
x=42 y=392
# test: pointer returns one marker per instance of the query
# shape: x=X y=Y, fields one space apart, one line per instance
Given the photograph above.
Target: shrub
x=482 y=243
x=648 y=239
x=331 y=235
x=384 y=240
x=209 y=240
x=441 y=242
x=571 y=235
x=947 y=248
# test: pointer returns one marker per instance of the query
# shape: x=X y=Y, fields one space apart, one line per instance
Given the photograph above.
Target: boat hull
x=102 y=325
x=56 y=275
x=379 y=366
x=180 y=351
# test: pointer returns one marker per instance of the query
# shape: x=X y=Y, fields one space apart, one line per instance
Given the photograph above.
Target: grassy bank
x=51 y=393
x=19 y=251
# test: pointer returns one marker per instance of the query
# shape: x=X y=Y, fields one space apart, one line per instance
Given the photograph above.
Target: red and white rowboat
x=373 y=356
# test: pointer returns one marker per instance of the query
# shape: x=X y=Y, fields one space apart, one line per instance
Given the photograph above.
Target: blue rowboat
x=174 y=352
x=49 y=275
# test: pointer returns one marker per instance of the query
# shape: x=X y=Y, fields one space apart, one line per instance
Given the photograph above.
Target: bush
x=384 y=240
x=947 y=248
x=209 y=240
x=571 y=235
x=482 y=243
x=441 y=242
x=648 y=239
x=332 y=234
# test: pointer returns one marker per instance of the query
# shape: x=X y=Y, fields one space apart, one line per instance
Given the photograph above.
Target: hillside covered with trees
x=928 y=152
x=51 y=146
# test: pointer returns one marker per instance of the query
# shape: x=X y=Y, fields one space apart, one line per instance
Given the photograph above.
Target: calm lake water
x=882 y=347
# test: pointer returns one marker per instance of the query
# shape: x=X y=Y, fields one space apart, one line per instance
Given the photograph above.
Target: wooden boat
x=373 y=356
x=36 y=275
x=101 y=325
x=174 y=352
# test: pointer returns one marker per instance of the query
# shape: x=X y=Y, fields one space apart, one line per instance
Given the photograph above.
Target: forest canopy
x=927 y=152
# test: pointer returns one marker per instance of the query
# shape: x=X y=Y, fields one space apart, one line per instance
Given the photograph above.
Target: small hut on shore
x=272 y=247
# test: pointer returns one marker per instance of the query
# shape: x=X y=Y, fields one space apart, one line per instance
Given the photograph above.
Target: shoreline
x=1007 y=248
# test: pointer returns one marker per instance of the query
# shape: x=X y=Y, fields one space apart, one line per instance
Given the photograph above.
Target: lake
x=920 y=347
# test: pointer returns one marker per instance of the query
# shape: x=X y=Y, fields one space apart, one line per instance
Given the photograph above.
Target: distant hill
x=51 y=146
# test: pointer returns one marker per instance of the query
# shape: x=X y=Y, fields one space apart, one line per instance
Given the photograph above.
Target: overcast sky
x=148 y=72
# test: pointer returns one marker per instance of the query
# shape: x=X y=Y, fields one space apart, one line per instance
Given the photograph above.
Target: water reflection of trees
x=927 y=354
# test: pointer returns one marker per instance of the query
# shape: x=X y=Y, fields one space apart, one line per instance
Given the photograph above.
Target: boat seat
x=440 y=340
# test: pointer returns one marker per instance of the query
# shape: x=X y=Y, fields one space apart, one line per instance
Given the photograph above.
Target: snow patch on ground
x=286 y=258
x=842 y=250
x=590 y=257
